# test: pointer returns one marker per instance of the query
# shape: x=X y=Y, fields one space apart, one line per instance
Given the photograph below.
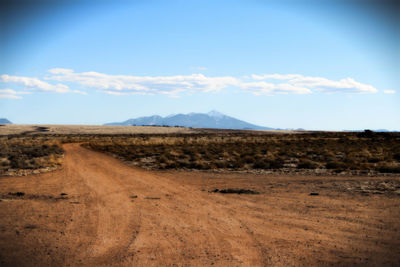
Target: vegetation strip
x=321 y=153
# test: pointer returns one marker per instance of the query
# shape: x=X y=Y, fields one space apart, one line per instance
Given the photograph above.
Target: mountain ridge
x=5 y=121
x=212 y=119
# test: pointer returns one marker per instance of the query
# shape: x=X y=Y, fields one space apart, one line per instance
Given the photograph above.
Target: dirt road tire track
x=110 y=227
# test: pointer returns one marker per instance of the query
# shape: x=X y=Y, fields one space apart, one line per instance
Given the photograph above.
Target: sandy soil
x=112 y=214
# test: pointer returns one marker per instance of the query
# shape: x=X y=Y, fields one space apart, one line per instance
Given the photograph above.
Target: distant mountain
x=5 y=121
x=212 y=119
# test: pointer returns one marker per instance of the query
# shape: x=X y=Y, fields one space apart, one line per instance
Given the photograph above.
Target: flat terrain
x=7 y=129
x=96 y=211
x=59 y=129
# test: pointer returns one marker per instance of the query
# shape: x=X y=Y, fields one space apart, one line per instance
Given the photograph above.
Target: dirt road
x=97 y=211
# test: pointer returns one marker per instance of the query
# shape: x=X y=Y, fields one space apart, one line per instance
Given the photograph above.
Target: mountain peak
x=212 y=119
x=215 y=114
x=5 y=121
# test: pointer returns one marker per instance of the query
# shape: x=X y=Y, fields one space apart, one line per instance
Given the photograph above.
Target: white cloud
x=389 y=91
x=126 y=84
x=176 y=85
x=169 y=85
x=35 y=84
x=60 y=71
x=347 y=85
x=264 y=88
x=11 y=94
x=275 y=76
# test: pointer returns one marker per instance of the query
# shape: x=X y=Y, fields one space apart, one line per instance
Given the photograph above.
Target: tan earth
x=48 y=129
x=116 y=215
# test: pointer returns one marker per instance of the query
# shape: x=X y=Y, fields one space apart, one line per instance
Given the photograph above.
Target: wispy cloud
x=35 y=84
x=11 y=94
x=176 y=85
x=347 y=85
x=173 y=85
x=126 y=84
x=267 y=88
x=389 y=91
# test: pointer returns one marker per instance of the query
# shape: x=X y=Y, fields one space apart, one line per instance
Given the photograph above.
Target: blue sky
x=287 y=64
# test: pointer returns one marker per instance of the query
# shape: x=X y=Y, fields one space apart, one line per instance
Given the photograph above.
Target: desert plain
x=166 y=196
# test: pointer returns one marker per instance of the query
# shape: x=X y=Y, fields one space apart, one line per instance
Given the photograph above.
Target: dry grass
x=364 y=153
x=19 y=156
x=357 y=153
